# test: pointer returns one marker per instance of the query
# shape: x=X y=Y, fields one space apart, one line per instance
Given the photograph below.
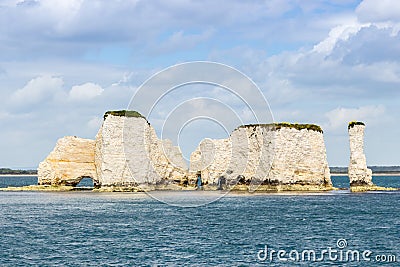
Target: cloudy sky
x=64 y=63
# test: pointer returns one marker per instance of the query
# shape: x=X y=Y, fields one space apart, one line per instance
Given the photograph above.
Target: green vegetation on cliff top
x=297 y=126
x=124 y=113
x=276 y=126
x=353 y=123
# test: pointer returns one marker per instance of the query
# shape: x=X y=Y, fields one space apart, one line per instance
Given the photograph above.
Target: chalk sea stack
x=266 y=157
x=359 y=174
x=128 y=156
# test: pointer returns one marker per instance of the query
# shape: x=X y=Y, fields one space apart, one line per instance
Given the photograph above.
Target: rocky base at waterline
x=175 y=187
x=59 y=188
x=284 y=188
x=366 y=188
x=236 y=188
x=213 y=187
x=361 y=186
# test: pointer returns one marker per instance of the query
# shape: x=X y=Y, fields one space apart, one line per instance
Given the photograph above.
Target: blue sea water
x=132 y=229
x=388 y=181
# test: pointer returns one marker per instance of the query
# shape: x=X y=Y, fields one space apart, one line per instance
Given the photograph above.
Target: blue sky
x=64 y=63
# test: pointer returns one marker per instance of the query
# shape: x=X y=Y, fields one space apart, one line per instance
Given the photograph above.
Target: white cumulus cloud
x=85 y=91
x=340 y=117
x=379 y=11
x=338 y=33
x=37 y=90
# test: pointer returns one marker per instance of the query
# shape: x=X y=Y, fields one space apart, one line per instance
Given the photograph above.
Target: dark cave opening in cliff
x=86 y=182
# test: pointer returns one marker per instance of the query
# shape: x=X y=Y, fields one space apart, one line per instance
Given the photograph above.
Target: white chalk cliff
x=128 y=154
x=280 y=154
x=359 y=174
x=71 y=160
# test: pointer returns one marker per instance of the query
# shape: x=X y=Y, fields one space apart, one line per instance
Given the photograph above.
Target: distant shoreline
x=9 y=171
x=8 y=175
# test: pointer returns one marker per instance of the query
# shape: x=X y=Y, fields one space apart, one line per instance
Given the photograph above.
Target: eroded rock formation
x=129 y=154
x=280 y=156
x=71 y=160
x=359 y=174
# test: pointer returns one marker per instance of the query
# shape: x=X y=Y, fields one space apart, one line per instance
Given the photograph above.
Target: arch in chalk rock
x=71 y=160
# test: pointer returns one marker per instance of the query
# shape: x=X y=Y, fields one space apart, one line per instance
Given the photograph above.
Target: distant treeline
x=375 y=169
x=11 y=171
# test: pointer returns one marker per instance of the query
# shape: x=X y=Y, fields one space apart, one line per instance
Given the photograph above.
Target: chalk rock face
x=71 y=160
x=212 y=158
x=264 y=154
x=300 y=157
x=128 y=153
x=359 y=174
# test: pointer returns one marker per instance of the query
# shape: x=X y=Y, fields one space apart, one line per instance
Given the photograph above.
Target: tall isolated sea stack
x=359 y=174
